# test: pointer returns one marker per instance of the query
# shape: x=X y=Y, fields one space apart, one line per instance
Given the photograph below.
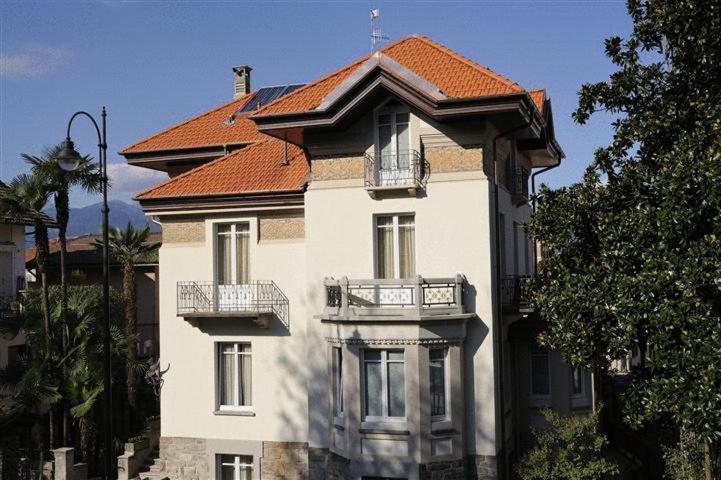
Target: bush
x=569 y=449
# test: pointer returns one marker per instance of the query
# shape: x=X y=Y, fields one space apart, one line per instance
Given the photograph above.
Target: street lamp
x=68 y=160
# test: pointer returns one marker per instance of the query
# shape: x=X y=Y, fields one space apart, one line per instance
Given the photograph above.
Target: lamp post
x=69 y=160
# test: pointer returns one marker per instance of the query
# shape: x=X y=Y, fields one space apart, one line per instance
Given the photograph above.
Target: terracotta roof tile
x=538 y=96
x=253 y=169
x=455 y=75
x=206 y=129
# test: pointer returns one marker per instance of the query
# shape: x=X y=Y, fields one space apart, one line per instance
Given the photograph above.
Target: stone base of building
x=182 y=458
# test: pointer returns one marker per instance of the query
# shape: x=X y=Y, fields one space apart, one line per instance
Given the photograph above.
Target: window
x=577 y=381
x=438 y=383
x=235 y=467
x=393 y=147
x=384 y=395
x=540 y=372
x=396 y=246
x=232 y=240
x=234 y=376
x=338 y=381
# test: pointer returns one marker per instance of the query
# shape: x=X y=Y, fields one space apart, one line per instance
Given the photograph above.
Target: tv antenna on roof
x=376 y=36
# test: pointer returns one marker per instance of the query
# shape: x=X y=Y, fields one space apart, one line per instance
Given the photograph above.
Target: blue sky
x=155 y=63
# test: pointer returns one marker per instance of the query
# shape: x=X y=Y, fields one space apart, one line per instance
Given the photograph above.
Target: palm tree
x=127 y=247
x=59 y=182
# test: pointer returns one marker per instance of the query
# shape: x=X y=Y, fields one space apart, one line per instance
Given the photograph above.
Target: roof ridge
x=201 y=167
x=507 y=81
x=245 y=97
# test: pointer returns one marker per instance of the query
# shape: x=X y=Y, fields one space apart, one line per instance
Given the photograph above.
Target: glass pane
x=396 y=390
x=395 y=355
x=246 y=473
x=227 y=347
x=403 y=117
x=386 y=267
x=577 y=381
x=241 y=248
x=385 y=143
x=245 y=387
x=244 y=347
x=539 y=375
x=373 y=355
x=224 y=228
x=403 y=139
x=227 y=472
x=224 y=260
x=407 y=247
x=227 y=377
x=438 y=382
x=374 y=389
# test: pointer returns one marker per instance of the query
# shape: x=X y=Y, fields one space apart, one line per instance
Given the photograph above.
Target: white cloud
x=33 y=61
x=126 y=181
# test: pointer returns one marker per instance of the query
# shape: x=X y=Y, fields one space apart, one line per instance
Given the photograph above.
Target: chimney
x=241 y=80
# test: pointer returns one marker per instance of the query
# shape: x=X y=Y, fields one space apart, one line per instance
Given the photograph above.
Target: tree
x=127 y=247
x=633 y=251
x=58 y=182
x=568 y=449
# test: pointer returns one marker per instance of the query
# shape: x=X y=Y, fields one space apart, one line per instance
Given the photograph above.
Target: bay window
x=437 y=361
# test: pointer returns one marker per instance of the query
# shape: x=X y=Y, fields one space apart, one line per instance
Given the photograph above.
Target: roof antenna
x=376 y=36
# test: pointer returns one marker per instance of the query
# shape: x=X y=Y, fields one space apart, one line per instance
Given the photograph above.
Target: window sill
x=442 y=427
x=235 y=413
x=389 y=428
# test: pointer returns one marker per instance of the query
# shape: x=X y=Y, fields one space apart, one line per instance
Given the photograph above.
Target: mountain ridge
x=88 y=219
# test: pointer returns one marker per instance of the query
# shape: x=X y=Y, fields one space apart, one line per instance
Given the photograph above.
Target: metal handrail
x=257 y=297
x=394 y=175
x=516 y=290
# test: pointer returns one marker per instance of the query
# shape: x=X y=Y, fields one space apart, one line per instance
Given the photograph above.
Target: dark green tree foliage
x=569 y=449
x=633 y=251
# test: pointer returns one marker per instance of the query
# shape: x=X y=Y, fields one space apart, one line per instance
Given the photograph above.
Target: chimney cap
x=242 y=68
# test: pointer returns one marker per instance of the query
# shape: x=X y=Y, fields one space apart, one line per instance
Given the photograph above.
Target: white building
x=340 y=268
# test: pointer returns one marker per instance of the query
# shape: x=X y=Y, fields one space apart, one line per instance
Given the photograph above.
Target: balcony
x=259 y=300
x=395 y=299
x=9 y=306
x=517 y=183
x=401 y=170
x=516 y=294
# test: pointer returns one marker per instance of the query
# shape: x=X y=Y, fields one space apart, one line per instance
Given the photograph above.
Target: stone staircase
x=154 y=468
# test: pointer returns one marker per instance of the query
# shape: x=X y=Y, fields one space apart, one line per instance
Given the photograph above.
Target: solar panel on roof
x=266 y=95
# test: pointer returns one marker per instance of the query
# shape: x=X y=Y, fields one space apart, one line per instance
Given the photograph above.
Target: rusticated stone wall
x=282 y=227
x=183 y=231
x=450 y=470
x=284 y=460
x=326 y=465
x=453 y=159
x=338 y=168
x=184 y=458
x=482 y=467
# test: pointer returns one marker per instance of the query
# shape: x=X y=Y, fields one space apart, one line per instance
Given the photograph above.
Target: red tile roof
x=254 y=169
x=453 y=74
x=538 y=96
x=207 y=129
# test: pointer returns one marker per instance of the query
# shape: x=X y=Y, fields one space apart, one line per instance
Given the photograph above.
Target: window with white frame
x=338 y=381
x=395 y=246
x=393 y=146
x=234 y=467
x=384 y=386
x=234 y=376
x=540 y=372
x=438 y=368
x=231 y=247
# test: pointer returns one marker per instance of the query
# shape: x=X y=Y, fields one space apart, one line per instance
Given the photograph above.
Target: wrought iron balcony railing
x=412 y=297
x=516 y=293
x=262 y=299
x=402 y=169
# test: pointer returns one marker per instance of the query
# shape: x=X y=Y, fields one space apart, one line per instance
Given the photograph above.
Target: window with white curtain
x=231 y=245
x=540 y=372
x=384 y=387
x=393 y=144
x=235 y=376
x=437 y=361
x=338 y=381
x=235 y=467
x=395 y=246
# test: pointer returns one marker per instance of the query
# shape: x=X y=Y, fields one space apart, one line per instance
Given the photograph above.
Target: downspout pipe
x=533 y=180
x=498 y=324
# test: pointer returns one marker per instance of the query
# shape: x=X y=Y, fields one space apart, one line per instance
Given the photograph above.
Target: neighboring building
x=12 y=274
x=85 y=267
x=340 y=275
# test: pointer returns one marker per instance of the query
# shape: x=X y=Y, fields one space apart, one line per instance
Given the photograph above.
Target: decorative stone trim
x=281 y=227
x=183 y=231
x=453 y=159
x=326 y=465
x=395 y=341
x=338 y=168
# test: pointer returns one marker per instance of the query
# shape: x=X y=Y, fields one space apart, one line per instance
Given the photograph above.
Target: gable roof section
x=28 y=219
x=454 y=75
x=204 y=130
x=257 y=168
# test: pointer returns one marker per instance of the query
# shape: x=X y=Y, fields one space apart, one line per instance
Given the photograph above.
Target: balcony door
x=234 y=292
x=393 y=149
